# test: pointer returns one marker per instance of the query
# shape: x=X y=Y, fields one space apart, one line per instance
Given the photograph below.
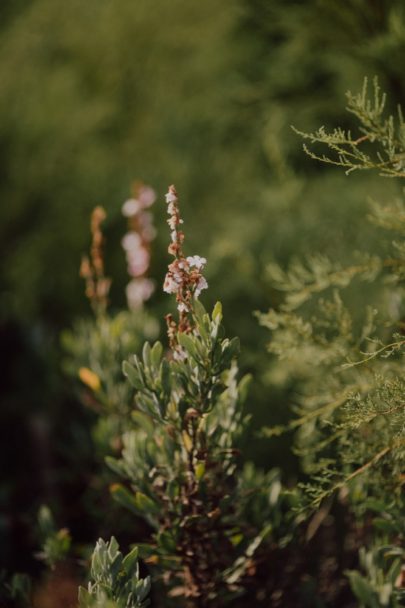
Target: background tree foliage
x=96 y=94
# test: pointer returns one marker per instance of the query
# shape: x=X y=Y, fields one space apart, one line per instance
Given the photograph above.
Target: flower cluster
x=136 y=244
x=183 y=278
x=92 y=269
x=182 y=271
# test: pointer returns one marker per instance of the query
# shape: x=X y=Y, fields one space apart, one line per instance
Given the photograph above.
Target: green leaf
x=217 y=313
x=130 y=562
x=145 y=504
x=114 y=464
x=85 y=599
x=243 y=387
x=145 y=550
x=146 y=354
x=187 y=441
x=113 y=547
x=236 y=539
x=143 y=588
x=230 y=350
x=144 y=422
x=124 y=497
x=199 y=310
x=133 y=376
x=203 y=328
x=217 y=356
x=200 y=470
x=165 y=374
x=45 y=520
x=188 y=343
x=216 y=391
x=149 y=404
x=362 y=589
x=385 y=525
x=116 y=564
x=167 y=542
x=394 y=571
x=378 y=506
x=20 y=588
x=156 y=354
x=234 y=347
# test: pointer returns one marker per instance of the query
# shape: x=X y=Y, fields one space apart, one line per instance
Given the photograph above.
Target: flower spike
x=183 y=278
x=92 y=268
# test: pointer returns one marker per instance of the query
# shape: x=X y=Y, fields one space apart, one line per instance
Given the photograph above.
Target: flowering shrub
x=211 y=518
x=96 y=348
x=181 y=458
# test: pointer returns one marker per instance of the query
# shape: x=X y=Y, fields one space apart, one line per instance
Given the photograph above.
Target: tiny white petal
x=179 y=354
x=202 y=284
x=169 y=285
x=171 y=209
x=170 y=197
x=182 y=307
x=196 y=261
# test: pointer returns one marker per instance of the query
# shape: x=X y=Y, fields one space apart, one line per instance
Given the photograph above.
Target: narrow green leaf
x=165 y=376
x=156 y=354
x=362 y=589
x=85 y=599
x=234 y=347
x=124 y=497
x=145 y=504
x=187 y=342
x=167 y=542
x=199 y=310
x=146 y=354
x=243 y=387
x=200 y=470
x=217 y=313
x=133 y=376
x=130 y=562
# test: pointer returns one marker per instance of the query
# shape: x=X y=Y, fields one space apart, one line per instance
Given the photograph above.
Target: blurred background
x=96 y=94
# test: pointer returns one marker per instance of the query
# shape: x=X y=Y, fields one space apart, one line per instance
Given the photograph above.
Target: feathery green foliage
x=348 y=362
x=385 y=135
x=350 y=365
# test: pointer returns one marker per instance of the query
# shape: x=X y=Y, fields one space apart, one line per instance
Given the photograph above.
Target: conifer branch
x=381 y=146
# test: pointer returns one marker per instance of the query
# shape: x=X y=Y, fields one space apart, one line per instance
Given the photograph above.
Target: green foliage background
x=94 y=94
